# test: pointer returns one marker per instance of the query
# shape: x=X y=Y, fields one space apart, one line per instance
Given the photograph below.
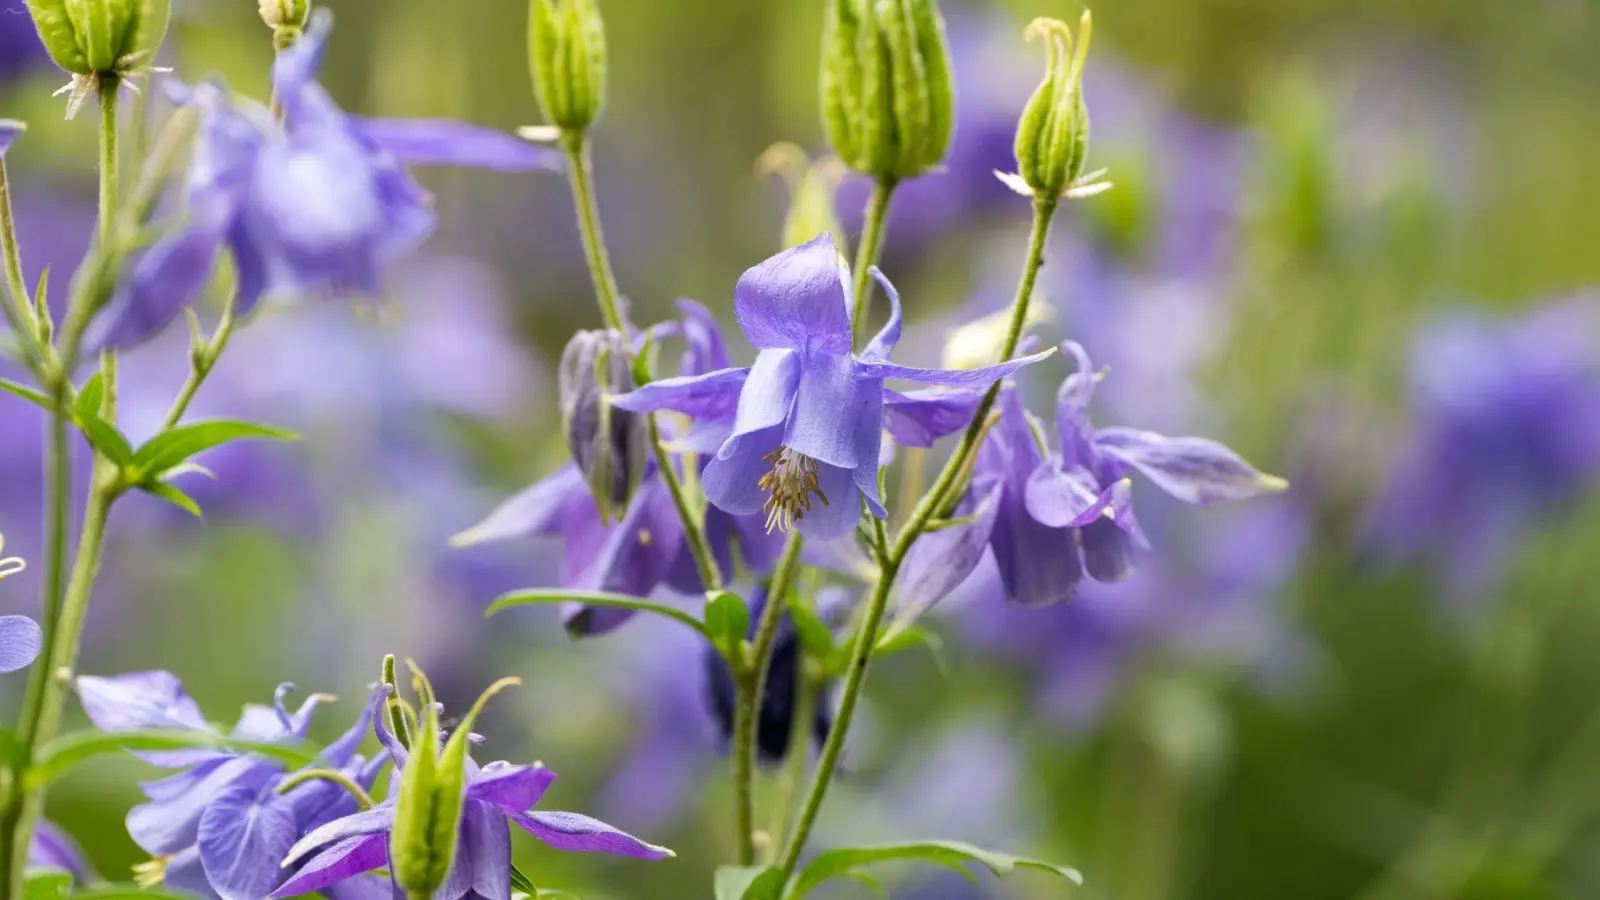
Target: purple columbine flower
x=808 y=417
x=1050 y=519
x=316 y=204
x=497 y=795
x=219 y=828
x=1506 y=431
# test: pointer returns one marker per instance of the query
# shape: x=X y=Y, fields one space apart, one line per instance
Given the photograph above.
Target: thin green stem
x=200 y=366
x=580 y=175
x=876 y=224
x=867 y=636
x=750 y=679
x=109 y=86
x=362 y=798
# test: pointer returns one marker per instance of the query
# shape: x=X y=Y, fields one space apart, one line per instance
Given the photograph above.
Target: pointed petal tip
x=1272 y=484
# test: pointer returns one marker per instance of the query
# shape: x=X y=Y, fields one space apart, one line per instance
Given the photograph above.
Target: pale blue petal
x=447 y=142
x=828 y=403
x=838 y=515
x=579 y=833
x=883 y=344
x=796 y=301
x=767 y=397
x=1192 y=469
x=965 y=378
x=713 y=395
x=732 y=484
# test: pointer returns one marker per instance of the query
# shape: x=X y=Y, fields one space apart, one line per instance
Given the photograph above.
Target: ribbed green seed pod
x=567 y=59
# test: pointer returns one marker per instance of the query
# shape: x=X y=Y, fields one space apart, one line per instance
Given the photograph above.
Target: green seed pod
x=96 y=37
x=1053 y=134
x=888 y=92
x=427 y=816
x=567 y=57
x=813 y=189
x=286 y=18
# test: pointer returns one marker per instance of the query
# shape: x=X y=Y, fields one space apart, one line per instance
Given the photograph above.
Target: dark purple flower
x=1049 y=519
x=497 y=795
x=807 y=419
x=316 y=205
x=1506 y=431
x=220 y=827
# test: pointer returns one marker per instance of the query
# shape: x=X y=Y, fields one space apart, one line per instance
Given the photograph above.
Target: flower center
x=151 y=873
x=789 y=487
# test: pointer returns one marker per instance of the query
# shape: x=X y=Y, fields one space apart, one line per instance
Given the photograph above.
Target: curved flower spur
x=808 y=416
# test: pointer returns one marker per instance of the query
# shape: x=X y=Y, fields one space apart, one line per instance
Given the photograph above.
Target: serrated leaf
x=747 y=883
x=727 y=620
x=36 y=397
x=951 y=854
x=173 y=495
x=593 y=598
x=69 y=750
x=172 y=448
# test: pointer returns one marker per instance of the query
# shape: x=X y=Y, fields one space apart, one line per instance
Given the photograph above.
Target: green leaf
x=29 y=394
x=89 y=396
x=727 y=620
x=952 y=854
x=815 y=635
x=46 y=884
x=521 y=882
x=748 y=883
x=911 y=636
x=172 y=448
x=172 y=495
x=10 y=748
x=127 y=892
x=69 y=750
x=103 y=435
x=593 y=598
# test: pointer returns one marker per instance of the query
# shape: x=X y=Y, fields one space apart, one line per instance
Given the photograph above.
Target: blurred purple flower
x=776 y=722
x=1505 y=432
x=20 y=638
x=19 y=40
x=318 y=205
x=53 y=848
x=220 y=828
x=497 y=795
x=808 y=417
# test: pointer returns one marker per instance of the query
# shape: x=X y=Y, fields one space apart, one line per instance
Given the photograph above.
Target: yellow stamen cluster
x=790 y=484
x=149 y=874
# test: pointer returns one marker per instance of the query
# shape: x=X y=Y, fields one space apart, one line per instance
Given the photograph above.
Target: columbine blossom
x=191 y=825
x=1052 y=518
x=1507 y=431
x=497 y=795
x=808 y=417
x=316 y=204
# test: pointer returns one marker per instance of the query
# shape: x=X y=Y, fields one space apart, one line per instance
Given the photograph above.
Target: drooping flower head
x=496 y=795
x=808 y=417
x=317 y=203
x=192 y=824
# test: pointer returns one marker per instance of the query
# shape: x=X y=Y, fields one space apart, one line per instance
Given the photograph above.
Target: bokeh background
x=1356 y=240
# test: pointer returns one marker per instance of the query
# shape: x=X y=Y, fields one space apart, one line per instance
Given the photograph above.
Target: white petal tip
x=539 y=134
x=1014 y=181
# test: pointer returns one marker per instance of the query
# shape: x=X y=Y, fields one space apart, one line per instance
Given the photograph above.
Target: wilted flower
x=495 y=796
x=607 y=444
x=808 y=417
x=191 y=824
x=317 y=204
x=1507 y=430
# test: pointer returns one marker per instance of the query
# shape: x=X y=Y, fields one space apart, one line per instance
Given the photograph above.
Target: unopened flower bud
x=888 y=94
x=567 y=56
x=608 y=444
x=1053 y=134
x=286 y=18
x=96 y=37
x=813 y=188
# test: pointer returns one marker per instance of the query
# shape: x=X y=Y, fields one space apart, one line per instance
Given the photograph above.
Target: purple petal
x=796 y=301
x=243 y=836
x=941 y=560
x=732 y=483
x=1061 y=497
x=712 y=395
x=165 y=280
x=540 y=509
x=52 y=848
x=152 y=699
x=185 y=872
x=578 y=833
x=1072 y=409
x=1038 y=564
x=828 y=403
x=708 y=351
x=966 y=378
x=513 y=788
x=339 y=753
x=838 y=516
x=636 y=555
x=768 y=395
x=486 y=845
x=1192 y=469
x=377 y=820
x=869 y=445
x=10 y=130
x=918 y=418
x=258 y=723
x=164 y=827
x=295 y=69
x=446 y=142
x=883 y=344
x=21 y=639
x=346 y=859
x=1107 y=551
x=361 y=887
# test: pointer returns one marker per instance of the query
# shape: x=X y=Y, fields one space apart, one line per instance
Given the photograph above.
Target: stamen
x=151 y=873
x=790 y=484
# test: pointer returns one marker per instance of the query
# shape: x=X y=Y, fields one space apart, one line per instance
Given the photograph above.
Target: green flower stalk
x=567 y=58
x=888 y=92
